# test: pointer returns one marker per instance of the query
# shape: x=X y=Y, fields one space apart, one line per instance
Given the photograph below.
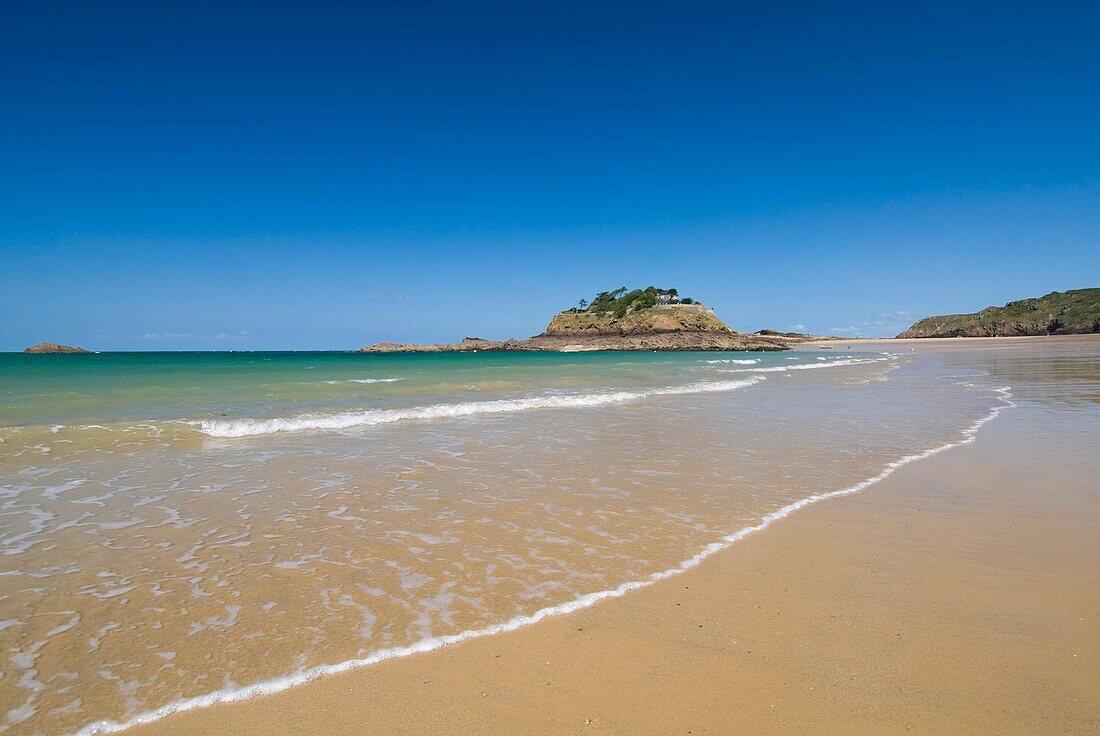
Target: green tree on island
x=621 y=302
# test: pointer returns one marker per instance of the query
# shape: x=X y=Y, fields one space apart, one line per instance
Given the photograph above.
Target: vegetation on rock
x=1057 y=313
x=621 y=302
x=648 y=319
x=675 y=318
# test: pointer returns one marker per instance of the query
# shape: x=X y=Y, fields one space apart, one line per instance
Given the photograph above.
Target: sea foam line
x=279 y=684
x=371 y=417
x=740 y=361
x=805 y=366
x=364 y=380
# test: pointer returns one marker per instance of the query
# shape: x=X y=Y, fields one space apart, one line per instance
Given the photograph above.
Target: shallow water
x=175 y=525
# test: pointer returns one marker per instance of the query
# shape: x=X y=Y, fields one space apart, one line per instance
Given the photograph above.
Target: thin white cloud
x=844 y=330
x=798 y=328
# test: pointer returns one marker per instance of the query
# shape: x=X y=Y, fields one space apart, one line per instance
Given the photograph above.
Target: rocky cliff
x=1057 y=313
x=53 y=347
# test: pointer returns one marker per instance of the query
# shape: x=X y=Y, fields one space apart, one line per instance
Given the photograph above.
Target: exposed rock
x=53 y=347
x=671 y=318
x=1057 y=313
x=466 y=345
x=656 y=328
x=708 y=340
x=795 y=336
x=655 y=341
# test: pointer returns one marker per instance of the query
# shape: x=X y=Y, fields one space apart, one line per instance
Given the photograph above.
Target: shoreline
x=386 y=679
x=1000 y=341
x=268 y=688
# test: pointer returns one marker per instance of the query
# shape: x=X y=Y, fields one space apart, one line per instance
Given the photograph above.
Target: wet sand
x=1076 y=342
x=959 y=595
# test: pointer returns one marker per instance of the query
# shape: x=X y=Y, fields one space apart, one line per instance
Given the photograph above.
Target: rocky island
x=640 y=320
x=43 y=348
x=1058 y=313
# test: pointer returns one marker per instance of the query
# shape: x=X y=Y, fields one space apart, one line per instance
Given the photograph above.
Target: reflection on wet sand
x=135 y=575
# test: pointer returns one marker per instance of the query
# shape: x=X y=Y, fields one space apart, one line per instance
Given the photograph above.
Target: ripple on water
x=207 y=562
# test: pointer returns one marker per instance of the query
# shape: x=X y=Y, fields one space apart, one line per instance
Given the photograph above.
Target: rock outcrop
x=466 y=345
x=53 y=347
x=1057 y=313
x=649 y=342
x=660 y=327
x=657 y=319
x=795 y=337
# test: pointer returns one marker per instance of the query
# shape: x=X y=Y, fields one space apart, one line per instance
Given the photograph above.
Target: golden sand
x=960 y=595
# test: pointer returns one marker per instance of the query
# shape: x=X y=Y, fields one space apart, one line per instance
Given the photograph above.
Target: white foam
x=371 y=417
x=805 y=366
x=739 y=361
x=366 y=380
x=279 y=684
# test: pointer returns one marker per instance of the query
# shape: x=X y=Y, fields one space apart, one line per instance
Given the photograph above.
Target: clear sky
x=314 y=175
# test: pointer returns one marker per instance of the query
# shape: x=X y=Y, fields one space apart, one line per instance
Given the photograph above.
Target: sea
x=183 y=529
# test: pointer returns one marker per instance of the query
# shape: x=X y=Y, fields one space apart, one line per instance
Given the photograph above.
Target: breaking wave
x=370 y=417
x=806 y=366
x=233 y=693
x=365 y=380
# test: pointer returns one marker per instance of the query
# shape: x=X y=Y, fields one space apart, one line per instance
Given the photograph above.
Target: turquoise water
x=175 y=527
x=44 y=389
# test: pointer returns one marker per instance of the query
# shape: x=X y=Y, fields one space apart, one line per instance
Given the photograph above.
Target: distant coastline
x=652 y=319
x=1075 y=312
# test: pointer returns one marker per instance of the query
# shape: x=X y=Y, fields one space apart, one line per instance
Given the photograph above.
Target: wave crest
x=370 y=417
x=365 y=380
x=805 y=366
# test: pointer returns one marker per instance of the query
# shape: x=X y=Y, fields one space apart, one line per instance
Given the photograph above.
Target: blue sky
x=284 y=175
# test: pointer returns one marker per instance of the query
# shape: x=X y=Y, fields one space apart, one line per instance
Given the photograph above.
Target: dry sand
x=960 y=595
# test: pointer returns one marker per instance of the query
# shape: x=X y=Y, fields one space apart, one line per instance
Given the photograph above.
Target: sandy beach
x=439 y=369
x=958 y=595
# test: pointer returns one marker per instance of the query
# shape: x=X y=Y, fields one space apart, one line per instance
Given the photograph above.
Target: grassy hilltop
x=1057 y=313
x=622 y=312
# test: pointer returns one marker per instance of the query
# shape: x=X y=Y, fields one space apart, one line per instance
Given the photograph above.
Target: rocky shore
x=659 y=341
x=43 y=348
x=664 y=327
